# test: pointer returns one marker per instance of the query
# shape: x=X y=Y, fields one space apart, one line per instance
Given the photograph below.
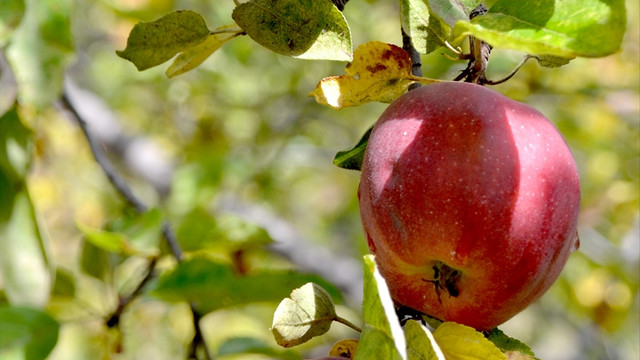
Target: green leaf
x=567 y=28
x=352 y=159
x=139 y=235
x=11 y=12
x=25 y=256
x=247 y=345
x=452 y=11
x=382 y=336
x=421 y=344
x=211 y=285
x=551 y=61
x=307 y=29
x=65 y=284
x=94 y=261
x=308 y=312
x=510 y=346
x=40 y=50
x=228 y=233
x=238 y=234
x=415 y=19
x=16 y=147
x=144 y=231
x=460 y=342
x=109 y=241
x=28 y=332
x=152 y=43
x=197 y=231
x=194 y=56
x=25 y=250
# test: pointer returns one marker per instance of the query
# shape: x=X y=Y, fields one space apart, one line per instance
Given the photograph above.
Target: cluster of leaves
x=309 y=312
x=555 y=33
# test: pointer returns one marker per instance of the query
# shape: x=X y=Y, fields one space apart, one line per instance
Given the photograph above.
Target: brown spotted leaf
x=379 y=72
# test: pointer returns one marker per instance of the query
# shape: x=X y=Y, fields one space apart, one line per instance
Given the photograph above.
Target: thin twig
x=114 y=319
x=120 y=184
x=513 y=72
x=348 y=323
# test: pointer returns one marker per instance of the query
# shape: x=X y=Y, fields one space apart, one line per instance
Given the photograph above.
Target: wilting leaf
x=379 y=72
x=194 y=56
x=308 y=312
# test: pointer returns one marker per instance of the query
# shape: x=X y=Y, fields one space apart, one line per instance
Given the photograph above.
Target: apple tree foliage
x=196 y=262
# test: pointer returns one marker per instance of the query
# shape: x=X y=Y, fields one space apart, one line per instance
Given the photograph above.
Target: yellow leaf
x=379 y=72
x=194 y=56
x=460 y=342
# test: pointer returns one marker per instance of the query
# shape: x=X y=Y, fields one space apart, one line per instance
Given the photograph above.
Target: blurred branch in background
x=141 y=155
x=146 y=159
x=124 y=189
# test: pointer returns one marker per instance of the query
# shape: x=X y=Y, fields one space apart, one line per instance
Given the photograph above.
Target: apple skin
x=469 y=200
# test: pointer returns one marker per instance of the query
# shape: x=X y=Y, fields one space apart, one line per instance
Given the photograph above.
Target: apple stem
x=348 y=323
x=478 y=55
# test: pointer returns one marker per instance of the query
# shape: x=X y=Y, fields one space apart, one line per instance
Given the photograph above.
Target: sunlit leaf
x=191 y=58
x=460 y=342
x=382 y=337
x=379 y=72
x=308 y=29
x=590 y=28
x=40 y=49
x=28 y=332
x=211 y=285
x=308 y=312
x=152 y=43
x=421 y=345
x=352 y=159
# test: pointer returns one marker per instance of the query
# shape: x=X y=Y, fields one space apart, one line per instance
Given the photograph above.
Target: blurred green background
x=239 y=135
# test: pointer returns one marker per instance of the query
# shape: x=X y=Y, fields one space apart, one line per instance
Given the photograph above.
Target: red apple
x=469 y=200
